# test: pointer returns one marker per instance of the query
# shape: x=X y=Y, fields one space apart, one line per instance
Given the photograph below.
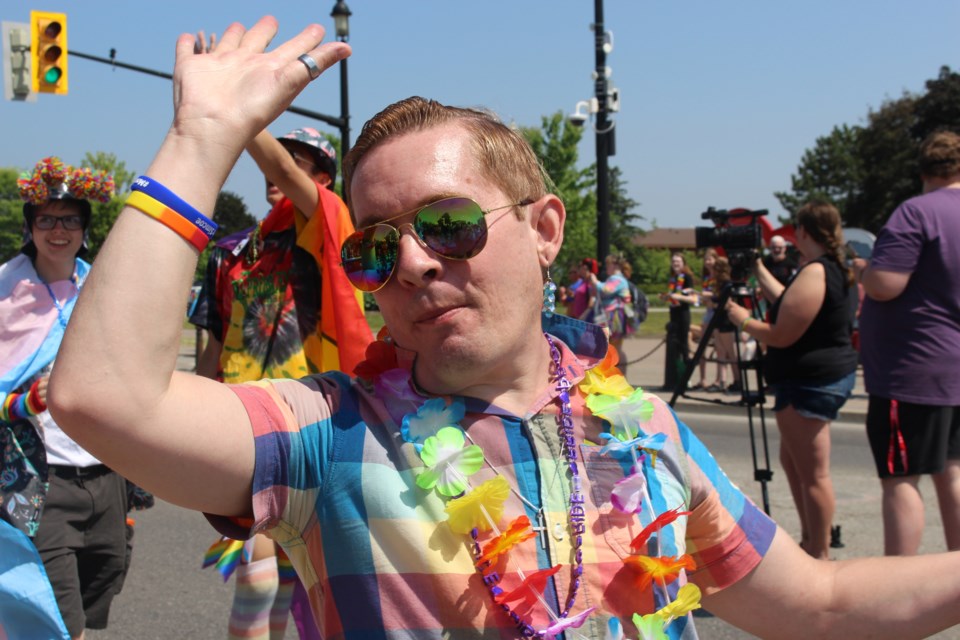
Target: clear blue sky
x=718 y=99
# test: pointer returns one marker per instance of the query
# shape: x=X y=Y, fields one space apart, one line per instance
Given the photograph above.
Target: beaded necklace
x=450 y=456
x=568 y=446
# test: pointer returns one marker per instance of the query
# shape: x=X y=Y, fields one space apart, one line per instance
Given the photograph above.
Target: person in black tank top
x=810 y=363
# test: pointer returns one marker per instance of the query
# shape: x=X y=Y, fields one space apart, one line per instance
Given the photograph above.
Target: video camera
x=741 y=241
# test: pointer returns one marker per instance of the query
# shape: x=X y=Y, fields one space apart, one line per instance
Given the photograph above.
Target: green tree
x=832 y=170
x=231 y=214
x=888 y=151
x=651 y=269
x=11 y=215
x=939 y=107
x=104 y=161
x=868 y=170
x=624 y=221
x=555 y=143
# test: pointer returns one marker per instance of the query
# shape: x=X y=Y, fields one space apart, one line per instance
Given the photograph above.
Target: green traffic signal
x=52 y=75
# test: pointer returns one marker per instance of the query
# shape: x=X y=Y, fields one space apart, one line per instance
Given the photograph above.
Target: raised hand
x=236 y=89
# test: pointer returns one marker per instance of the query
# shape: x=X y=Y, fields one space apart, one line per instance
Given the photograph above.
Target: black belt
x=69 y=473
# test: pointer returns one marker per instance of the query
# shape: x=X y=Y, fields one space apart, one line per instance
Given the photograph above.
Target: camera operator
x=810 y=363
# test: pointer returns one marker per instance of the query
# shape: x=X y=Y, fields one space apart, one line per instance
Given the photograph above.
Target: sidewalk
x=648 y=373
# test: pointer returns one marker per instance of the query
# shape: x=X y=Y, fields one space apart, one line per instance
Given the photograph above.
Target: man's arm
x=791 y=595
x=279 y=167
x=115 y=389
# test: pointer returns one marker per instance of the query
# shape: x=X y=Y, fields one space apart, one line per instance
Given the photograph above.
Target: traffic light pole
x=341 y=123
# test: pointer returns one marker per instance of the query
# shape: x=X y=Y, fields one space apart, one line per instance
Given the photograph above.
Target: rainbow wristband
x=159 y=211
x=743 y=325
x=18 y=406
x=8 y=407
x=171 y=200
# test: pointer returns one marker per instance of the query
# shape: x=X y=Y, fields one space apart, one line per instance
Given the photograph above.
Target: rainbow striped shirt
x=334 y=484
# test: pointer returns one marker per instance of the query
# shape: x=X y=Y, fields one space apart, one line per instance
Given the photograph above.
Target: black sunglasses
x=46 y=222
x=454 y=228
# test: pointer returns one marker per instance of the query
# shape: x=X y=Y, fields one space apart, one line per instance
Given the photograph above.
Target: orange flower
x=661 y=521
x=531 y=587
x=518 y=531
x=664 y=569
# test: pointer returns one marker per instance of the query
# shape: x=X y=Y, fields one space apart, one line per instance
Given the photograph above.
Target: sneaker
x=714 y=388
x=734 y=388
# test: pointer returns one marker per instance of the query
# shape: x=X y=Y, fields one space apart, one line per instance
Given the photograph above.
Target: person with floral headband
x=54 y=490
x=487 y=472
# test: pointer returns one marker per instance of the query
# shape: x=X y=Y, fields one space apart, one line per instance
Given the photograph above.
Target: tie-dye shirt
x=335 y=485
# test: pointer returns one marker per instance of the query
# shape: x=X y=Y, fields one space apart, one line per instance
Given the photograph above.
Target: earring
x=549 y=295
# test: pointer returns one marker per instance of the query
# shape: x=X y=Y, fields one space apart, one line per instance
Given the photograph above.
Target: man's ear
x=549 y=216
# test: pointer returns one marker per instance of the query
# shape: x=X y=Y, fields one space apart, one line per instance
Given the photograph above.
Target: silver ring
x=311 y=66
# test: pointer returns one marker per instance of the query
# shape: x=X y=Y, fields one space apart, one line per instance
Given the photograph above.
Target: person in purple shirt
x=910 y=332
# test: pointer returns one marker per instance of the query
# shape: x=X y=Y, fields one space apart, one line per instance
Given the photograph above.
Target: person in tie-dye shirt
x=488 y=473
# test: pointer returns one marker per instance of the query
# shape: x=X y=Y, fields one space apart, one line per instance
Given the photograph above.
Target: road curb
x=855 y=415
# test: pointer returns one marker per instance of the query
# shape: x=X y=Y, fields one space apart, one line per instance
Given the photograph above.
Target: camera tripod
x=751 y=395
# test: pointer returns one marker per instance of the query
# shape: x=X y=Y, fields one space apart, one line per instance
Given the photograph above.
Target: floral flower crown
x=51 y=177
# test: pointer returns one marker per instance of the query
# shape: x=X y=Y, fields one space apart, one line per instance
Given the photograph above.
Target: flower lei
x=449 y=460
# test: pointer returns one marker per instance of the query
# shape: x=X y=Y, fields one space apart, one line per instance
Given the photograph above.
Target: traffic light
x=48 y=51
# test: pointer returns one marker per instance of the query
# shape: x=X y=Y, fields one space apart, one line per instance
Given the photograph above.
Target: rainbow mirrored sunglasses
x=455 y=228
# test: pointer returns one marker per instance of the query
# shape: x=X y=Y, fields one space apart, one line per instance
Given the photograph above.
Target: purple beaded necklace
x=575 y=511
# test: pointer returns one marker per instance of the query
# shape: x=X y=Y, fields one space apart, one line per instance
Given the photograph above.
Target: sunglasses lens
x=454 y=228
x=369 y=256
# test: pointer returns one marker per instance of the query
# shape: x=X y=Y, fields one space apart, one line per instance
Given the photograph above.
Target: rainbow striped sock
x=253 y=599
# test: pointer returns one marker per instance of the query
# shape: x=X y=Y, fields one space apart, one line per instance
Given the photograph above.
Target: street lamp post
x=606 y=145
x=341 y=19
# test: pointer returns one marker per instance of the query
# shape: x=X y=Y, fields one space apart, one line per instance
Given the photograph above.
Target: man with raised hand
x=488 y=472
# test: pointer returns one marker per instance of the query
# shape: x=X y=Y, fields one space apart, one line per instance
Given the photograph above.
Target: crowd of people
x=482 y=468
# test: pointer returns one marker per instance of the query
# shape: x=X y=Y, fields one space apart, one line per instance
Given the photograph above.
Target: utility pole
x=606 y=144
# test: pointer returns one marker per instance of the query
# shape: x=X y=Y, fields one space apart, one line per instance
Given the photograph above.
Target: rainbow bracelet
x=18 y=406
x=159 y=211
x=743 y=325
x=172 y=201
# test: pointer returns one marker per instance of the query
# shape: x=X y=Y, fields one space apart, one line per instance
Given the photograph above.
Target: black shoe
x=835 y=542
x=735 y=388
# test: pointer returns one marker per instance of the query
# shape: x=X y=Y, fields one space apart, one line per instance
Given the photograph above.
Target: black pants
x=680 y=330
x=82 y=541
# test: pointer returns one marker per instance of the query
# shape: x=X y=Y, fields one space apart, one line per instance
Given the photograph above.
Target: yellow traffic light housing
x=48 y=51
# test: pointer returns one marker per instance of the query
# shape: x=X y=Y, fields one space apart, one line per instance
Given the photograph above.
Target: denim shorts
x=814 y=400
